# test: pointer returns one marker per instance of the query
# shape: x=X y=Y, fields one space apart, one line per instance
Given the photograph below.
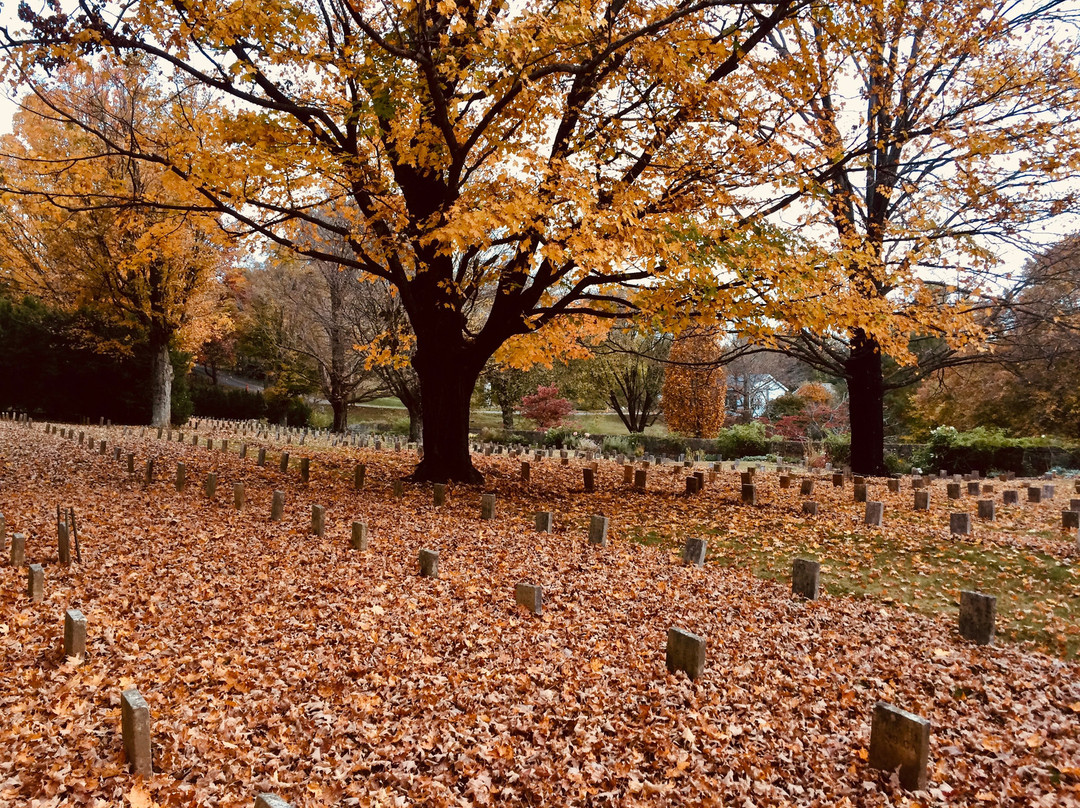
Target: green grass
x=1038 y=598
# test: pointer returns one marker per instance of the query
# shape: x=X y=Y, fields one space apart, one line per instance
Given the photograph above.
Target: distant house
x=750 y=393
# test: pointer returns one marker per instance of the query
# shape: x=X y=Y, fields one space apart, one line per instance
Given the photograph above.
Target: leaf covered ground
x=273 y=660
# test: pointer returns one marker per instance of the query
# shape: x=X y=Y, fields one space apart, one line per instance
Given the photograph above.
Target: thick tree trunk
x=161 y=371
x=866 y=402
x=416 y=424
x=340 y=406
x=446 y=388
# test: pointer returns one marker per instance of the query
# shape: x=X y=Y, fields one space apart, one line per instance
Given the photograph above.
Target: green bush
x=986 y=450
x=838 y=448
x=561 y=437
x=896 y=464
x=282 y=408
x=743 y=440
x=213 y=401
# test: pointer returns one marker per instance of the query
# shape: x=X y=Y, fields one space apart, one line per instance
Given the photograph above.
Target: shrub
x=282 y=408
x=545 y=407
x=743 y=440
x=212 y=401
x=561 y=437
x=838 y=448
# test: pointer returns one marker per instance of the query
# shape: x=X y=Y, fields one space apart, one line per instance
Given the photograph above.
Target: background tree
x=631 y=366
x=487 y=149
x=695 y=385
x=89 y=229
x=949 y=129
x=546 y=408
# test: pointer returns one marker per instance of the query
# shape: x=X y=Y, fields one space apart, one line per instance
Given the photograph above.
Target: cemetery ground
x=276 y=660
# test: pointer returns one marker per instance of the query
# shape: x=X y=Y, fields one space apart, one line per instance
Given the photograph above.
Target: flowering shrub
x=545 y=407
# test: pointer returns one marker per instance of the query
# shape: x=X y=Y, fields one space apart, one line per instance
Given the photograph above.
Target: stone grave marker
x=261 y=460
x=270 y=801
x=810 y=508
x=526 y=471
x=894 y=485
x=960 y=524
x=694 y=552
x=148 y=473
x=398 y=488
x=63 y=542
x=359 y=473
x=438 y=494
x=900 y=741
x=588 y=479
x=130 y=463
x=277 y=506
x=74 y=634
x=210 y=487
x=18 y=549
x=359 y=539
x=641 y=479
x=1070 y=520
x=973 y=489
x=986 y=509
x=685 y=652
x=35 y=583
x=181 y=481
x=1074 y=505
x=598 y=527
x=953 y=490
x=284 y=462
x=429 y=564
x=135 y=726
x=531 y=596
x=874 y=513
x=749 y=494
x=858 y=492
x=543 y=521
x=804 y=578
x=922 y=500
x=977 y=614
x=238 y=497
x=1048 y=492
x=3 y=534
x=305 y=469
x=487 y=506
x=1034 y=493
x=806 y=488
x=318 y=520
x=785 y=481
x=1010 y=496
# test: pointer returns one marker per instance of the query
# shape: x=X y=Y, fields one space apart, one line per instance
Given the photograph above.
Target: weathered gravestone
x=359 y=473
x=74 y=634
x=359 y=538
x=429 y=564
x=598 y=527
x=810 y=508
x=18 y=549
x=986 y=509
x=900 y=742
x=685 y=652
x=1034 y=493
x=531 y=596
x=318 y=520
x=542 y=521
x=487 y=506
x=238 y=496
x=953 y=490
x=1010 y=496
x=63 y=543
x=694 y=552
x=960 y=524
x=181 y=474
x=135 y=727
x=35 y=583
x=277 y=506
x=977 y=615
x=749 y=494
x=858 y=492
x=210 y=487
x=806 y=488
x=875 y=511
x=270 y=801
x=438 y=494
x=922 y=500
x=804 y=578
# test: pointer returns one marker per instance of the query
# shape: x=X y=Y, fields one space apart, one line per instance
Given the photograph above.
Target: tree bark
x=416 y=424
x=447 y=378
x=340 y=406
x=161 y=371
x=866 y=402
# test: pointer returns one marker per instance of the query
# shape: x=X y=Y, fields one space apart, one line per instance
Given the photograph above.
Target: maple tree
x=948 y=129
x=83 y=227
x=546 y=408
x=631 y=361
x=695 y=386
x=539 y=160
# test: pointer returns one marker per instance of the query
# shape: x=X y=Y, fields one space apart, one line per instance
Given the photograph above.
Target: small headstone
x=960 y=524
x=1048 y=492
x=874 y=513
x=598 y=527
x=210 y=486
x=785 y=481
x=238 y=497
x=806 y=488
x=135 y=724
x=838 y=480
x=438 y=494
x=749 y=494
x=922 y=500
x=487 y=506
x=685 y=652
x=63 y=543
x=809 y=508
x=18 y=549
x=588 y=479
x=284 y=462
x=318 y=520
x=986 y=509
x=691 y=485
x=305 y=469
x=277 y=506
x=1074 y=505
x=1010 y=496
x=543 y=521
x=953 y=490
x=359 y=536
x=694 y=552
x=918 y=483
x=977 y=613
x=641 y=479
x=1070 y=520
x=900 y=741
x=988 y=489
x=243 y=451
x=130 y=463
x=531 y=596
x=894 y=485
x=973 y=489
x=3 y=534
x=628 y=475
x=261 y=460
x=804 y=578
x=148 y=473
x=270 y=801
x=1034 y=493
x=35 y=583
x=429 y=564
x=181 y=471
x=74 y=634
x=359 y=473
x=398 y=488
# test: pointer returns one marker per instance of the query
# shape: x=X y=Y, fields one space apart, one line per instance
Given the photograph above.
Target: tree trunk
x=447 y=379
x=416 y=424
x=340 y=406
x=866 y=403
x=161 y=382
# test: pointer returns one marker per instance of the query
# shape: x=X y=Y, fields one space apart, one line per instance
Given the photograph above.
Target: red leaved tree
x=545 y=407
